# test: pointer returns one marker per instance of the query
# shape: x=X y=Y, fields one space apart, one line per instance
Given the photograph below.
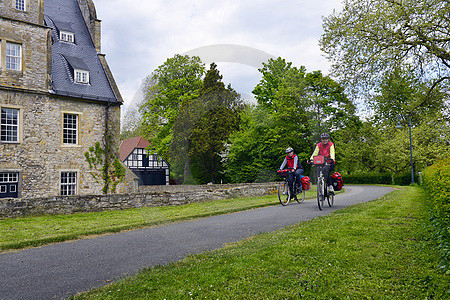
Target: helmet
x=289 y=150
x=324 y=136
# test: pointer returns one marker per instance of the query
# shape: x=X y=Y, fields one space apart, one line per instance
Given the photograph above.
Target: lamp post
x=410 y=145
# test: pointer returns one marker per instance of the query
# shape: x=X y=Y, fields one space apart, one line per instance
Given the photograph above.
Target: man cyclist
x=326 y=148
x=291 y=160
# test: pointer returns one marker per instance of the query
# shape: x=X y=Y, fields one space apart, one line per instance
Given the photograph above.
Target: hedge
x=436 y=181
x=386 y=178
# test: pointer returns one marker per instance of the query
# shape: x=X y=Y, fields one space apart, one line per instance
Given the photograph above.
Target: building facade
x=57 y=98
x=149 y=167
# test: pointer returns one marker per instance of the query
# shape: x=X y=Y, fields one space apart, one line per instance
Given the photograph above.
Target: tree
x=371 y=38
x=277 y=73
x=398 y=95
x=257 y=149
x=307 y=102
x=204 y=125
x=328 y=106
x=293 y=108
x=179 y=77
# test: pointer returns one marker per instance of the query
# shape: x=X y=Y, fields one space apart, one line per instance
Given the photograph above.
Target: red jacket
x=325 y=149
x=290 y=161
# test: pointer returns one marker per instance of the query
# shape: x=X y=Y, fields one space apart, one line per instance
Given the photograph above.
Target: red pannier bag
x=319 y=159
x=337 y=181
x=306 y=183
x=282 y=173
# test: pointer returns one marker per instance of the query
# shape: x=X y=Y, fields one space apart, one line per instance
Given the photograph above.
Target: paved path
x=60 y=270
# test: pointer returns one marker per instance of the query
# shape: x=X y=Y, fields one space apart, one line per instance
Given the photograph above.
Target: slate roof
x=127 y=146
x=65 y=15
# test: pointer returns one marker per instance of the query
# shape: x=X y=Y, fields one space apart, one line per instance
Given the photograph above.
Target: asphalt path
x=60 y=270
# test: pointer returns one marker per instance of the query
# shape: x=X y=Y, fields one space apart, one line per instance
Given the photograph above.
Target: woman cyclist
x=291 y=160
x=326 y=148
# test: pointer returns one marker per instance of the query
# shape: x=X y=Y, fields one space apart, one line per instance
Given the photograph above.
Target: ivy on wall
x=108 y=169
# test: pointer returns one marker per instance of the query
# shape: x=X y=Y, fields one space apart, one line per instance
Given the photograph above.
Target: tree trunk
x=187 y=176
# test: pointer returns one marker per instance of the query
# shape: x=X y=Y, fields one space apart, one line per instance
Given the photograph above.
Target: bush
x=436 y=180
x=386 y=178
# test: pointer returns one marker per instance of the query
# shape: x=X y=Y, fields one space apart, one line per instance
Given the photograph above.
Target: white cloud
x=138 y=36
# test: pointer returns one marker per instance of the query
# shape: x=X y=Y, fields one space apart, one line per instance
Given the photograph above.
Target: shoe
x=330 y=189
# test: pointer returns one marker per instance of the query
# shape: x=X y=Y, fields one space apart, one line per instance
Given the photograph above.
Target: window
x=68 y=183
x=66 y=36
x=13 y=56
x=9 y=182
x=20 y=5
x=70 y=129
x=81 y=76
x=9 y=125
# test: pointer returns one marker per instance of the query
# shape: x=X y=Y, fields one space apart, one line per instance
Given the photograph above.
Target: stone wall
x=149 y=196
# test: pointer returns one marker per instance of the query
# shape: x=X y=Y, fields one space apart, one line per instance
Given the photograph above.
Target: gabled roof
x=65 y=15
x=127 y=146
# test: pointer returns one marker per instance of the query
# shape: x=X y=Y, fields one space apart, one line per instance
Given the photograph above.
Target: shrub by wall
x=386 y=178
x=436 y=181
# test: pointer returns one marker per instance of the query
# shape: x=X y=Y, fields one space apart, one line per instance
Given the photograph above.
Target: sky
x=139 y=36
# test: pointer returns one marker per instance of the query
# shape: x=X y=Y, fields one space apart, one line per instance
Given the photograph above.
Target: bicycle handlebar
x=327 y=161
x=285 y=171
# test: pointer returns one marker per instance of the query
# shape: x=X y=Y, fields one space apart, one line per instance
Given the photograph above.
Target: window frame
x=17 y=126
x=81 y=76
x=69 y=132
x=20 y=5
x=12 y=58
x=70 y=185
x=10 y=179
x=67 y=36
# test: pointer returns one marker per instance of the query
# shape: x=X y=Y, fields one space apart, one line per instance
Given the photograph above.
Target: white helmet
x=288 y=150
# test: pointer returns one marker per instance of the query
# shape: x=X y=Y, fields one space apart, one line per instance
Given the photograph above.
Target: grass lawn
x=376 y=250
x=40 y=230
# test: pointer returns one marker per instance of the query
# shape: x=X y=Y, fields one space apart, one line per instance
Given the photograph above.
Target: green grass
x=376 y=250
x=40 y=230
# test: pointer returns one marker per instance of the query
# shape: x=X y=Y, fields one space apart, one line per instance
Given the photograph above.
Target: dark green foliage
x=386 y=178
x=202 y=129
x=436 y=181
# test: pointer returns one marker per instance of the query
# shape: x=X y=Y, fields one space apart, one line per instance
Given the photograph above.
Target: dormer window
x=81 y=76
x=66 y=36
x=20 y=5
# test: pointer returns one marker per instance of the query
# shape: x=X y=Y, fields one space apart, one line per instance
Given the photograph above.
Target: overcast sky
x=138 y=36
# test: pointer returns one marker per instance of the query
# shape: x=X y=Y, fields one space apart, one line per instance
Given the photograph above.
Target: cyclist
x=326 y=148
x=291 y=160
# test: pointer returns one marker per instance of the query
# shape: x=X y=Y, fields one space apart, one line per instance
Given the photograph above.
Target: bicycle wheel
x=330 y=198
x=301 y=197
x=320 y=193
x=284 y=194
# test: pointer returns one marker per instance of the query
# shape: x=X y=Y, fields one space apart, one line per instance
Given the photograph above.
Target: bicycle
x=287 y=191
x=322 y=188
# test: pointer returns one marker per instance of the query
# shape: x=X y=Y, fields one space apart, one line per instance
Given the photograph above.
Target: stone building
x=57 y=97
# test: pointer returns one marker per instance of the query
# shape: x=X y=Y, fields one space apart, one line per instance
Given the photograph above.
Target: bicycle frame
x=322 y=187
